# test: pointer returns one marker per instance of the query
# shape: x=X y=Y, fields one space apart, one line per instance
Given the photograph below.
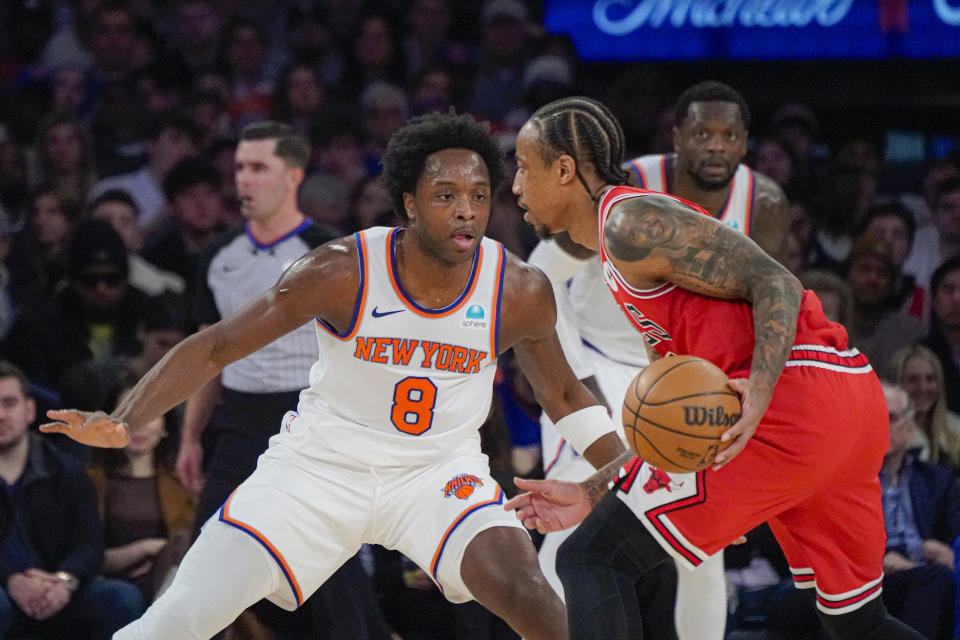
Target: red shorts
x=810 y=471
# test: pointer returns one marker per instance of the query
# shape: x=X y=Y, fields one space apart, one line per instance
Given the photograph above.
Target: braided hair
x=588 y=132
x=407 y=151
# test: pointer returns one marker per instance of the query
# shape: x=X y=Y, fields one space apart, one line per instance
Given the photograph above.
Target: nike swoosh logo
x=380 y=314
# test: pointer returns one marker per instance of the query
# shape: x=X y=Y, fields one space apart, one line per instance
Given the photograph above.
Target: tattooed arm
x=656 y=239
x=554 y=505
x=771 y=216
x=652 y=354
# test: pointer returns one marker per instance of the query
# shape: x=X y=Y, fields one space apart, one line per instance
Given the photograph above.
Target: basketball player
x=804 y=454
x=710 y=141
x=384 y=446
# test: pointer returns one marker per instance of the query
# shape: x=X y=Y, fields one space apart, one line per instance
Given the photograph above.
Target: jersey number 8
x=413 y=402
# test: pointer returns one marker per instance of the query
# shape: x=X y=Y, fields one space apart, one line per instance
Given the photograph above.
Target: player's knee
x=513 y=587
x=575 y=549
x=601 y=543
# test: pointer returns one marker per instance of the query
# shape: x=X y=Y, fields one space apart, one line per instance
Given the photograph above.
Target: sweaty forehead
x=714 y=111
x=454 y=165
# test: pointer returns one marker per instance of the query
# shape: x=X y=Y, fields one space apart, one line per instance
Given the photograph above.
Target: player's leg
x=448 y=518
x=572 y=468
x=834 y=545
x=223 y=573
x=702 y=600
x=872 y=621
x=619 y=582
x=501 y=571
x=836 y=539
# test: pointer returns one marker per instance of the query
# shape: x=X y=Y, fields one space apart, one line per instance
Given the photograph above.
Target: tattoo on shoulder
x=637 y=227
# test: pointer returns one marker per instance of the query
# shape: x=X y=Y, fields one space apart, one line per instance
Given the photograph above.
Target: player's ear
x=567 y=168
x=676 y=138
x=409 y=205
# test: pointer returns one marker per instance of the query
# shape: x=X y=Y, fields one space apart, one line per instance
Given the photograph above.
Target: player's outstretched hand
x=96 y=428
x=754 y=400
x=549 y=505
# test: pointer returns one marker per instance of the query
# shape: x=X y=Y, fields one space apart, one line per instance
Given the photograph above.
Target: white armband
x=558 y=265
x=584 y=427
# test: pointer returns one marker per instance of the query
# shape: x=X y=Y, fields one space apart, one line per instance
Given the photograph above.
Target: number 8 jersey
x=405 y=384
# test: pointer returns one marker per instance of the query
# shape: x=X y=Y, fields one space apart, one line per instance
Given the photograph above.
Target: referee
x=244 y=405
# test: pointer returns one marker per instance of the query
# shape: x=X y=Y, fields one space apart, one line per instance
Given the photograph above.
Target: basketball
x=675 y=411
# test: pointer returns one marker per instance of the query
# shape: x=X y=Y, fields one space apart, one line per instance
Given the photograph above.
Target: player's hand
x=754 y=400
x=190 y=465
x=96 y=429
x=549 y=505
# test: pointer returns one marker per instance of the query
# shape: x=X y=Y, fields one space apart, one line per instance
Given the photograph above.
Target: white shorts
x=312 y=513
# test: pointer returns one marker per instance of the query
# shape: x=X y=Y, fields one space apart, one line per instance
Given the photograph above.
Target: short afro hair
x=710 y=91
x=409 y=147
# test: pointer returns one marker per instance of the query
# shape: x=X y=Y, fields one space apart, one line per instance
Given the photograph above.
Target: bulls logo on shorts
x=660 y=480
x=462 y=486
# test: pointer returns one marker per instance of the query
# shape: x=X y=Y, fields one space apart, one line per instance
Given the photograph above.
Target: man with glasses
x=921 y=515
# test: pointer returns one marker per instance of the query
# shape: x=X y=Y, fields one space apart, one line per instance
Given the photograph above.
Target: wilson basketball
x=675 y=411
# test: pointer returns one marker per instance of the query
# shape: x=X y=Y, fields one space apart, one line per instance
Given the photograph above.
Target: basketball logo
x=462 y=486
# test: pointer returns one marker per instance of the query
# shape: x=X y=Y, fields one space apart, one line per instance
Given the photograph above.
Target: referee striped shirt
x=236 y=270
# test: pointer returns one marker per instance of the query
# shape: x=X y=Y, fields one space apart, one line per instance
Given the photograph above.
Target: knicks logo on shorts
x=660 y=480
x=462 y=486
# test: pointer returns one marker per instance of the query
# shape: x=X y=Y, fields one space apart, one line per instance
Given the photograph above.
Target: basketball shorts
x=313 y=512
x=810 y=470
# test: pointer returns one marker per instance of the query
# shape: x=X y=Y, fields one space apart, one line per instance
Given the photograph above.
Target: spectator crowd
x=118 y=127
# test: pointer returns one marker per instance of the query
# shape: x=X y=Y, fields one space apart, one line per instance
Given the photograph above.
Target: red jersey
x=681 y=322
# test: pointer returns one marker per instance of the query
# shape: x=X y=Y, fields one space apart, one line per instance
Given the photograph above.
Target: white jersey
x=600 y=320
x=405 y=384
x=653 y=174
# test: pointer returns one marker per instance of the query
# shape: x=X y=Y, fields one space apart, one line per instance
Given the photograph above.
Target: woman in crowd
x=918 y=370
x=147 y=514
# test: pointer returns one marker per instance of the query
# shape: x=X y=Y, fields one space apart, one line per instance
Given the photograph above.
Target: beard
x=711 y=184
x=9 y=445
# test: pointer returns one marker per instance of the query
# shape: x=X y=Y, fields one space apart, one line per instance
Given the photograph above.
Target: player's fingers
x=740 y=385
x=69 y=416
x=525 y=513
x=55 y=427
x=733 y=432
x=530 y=485
x=522 y=500
x=729 y=453
x=547 y=526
